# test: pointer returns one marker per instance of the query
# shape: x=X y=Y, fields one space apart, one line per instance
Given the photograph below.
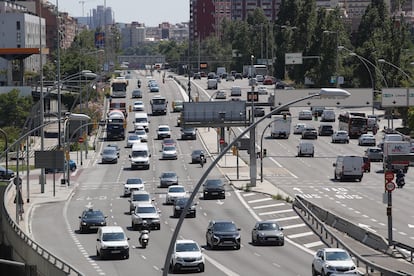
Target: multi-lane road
x=102 y=185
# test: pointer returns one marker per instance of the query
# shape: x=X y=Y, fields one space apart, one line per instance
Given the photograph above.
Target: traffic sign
x=80 y=140
x=389 y=176
x=390 y=186
x=221 y=141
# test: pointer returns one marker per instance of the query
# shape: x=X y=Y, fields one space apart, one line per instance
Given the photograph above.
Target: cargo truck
x=159 y=105
x=280 y=127
x=394 y=148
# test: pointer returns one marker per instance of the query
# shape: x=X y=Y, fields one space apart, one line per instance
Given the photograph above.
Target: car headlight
x=261 y=234
x=177 y=208
x=179 y=259
x=126 y=246
x=238 y=237
x=83 y=223
x=330 y=267
x=156 y=220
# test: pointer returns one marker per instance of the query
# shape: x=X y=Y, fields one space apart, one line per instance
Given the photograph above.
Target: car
x=214 y=188
x=197 y=76
x=340 y=136
x=260 y=78
x=168 y=178
x=179 y=205
x=262 y=90
x=281 y=85
x=168 y=142
x=367 y=140
x=325 y=130
x=268 y=80
x=116 y=147
x=173 y=193
x=259 y=112
x=142 y=134
x=268 y=232
x=188 y=133
x=109 y=155
x=195 y=156
x=169 y=152
x=163 y=131
x=305 y=115
x=298 y=128
x=317 y=110
x=138 y=197
x=374 y=154
x=309 y=132
x=145 y=213
x=230 y=78
x=136 y=93
x=223 y=233
x=72 y=168
x=177 y=105
x=133 y=184
x=138 y=106
x=252 y=81
x=111 y=240
x=186 y=255
x=333 y=261
x=154 y=88
x=238 y=76
x=91 y=219
x=132 y=139
x=221 y=94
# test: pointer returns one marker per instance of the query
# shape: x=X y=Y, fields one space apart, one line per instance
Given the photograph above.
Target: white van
x=140 y=156
x=112 y=241
x=349 y=167
x=235 y=91
x=212 y=84
x=141 y=120
x=328 y=115
x=306 y=148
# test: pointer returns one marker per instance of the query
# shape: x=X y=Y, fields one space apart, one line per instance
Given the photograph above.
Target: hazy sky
x=150 y=12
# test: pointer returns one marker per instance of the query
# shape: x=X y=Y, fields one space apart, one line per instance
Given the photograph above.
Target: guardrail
x=24 y=249
x=321 y=228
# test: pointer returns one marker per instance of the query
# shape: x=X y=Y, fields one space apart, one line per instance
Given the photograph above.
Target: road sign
x=80 y=140
x=389 y=176
x=221 y=141
x=390 y=186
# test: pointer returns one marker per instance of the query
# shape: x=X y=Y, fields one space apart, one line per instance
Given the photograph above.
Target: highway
x=102 y=185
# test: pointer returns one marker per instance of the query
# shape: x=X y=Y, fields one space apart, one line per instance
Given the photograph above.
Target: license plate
x=115 y=251
x=272 y=239
x=214 y=193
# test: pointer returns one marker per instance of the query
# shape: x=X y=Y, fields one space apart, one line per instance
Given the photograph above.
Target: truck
x=280 y=127
x=220 y=71
x=159 y=105
x=118 y=106
x=119 y=87
x=394 y=148
x=115 y=129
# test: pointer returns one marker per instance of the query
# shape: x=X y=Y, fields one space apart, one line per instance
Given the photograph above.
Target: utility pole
x=253 y=161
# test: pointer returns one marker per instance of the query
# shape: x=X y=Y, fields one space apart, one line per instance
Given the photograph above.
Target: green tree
x=14 y=109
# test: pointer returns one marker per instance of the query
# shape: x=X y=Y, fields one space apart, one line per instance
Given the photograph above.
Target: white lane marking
x=259 y=200
x=268 y=206
x=221 y=267
x=313 y=244
x=249 y=194
x=276 y=212
x=304 y=234
x=294 y=226
x=286 y=218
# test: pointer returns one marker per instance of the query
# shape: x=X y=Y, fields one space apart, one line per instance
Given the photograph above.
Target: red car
x=268 y=81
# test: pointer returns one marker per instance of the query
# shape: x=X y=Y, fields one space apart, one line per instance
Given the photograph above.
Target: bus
x=355 y=125
x=260 y=69
x=119 y=87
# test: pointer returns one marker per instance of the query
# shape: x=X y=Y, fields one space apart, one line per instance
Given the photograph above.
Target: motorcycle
x=144 y=235
x=400 y=182
x=202 y=161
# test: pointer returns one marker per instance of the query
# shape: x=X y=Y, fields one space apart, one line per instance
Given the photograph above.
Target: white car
x=340 y=136
x=333 y=261
x=367 y=140
x=169 y=152
x=142 y=134
x=305 y=115
x=174 y=192
x=138 y=106
x=112 y=240
x=163 y=131
x=133 y=184
x=298 y=128
x=262 y=90
x=187 y=255
x=132 y=139
x=145 y=213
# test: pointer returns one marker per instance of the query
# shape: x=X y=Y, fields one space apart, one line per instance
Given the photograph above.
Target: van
x=141 y=120
x=211 y=83
x=349 y=167
x=306 y=149
x=111 y=241
x=325 y=130
x=328 y=115
x=140 y=156
x=235 y=91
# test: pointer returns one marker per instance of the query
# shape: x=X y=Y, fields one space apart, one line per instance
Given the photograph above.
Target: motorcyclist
x=144 y=234
x=202 y=159
x=400 y=178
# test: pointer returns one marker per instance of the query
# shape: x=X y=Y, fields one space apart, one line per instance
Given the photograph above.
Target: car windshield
x=140 y=197
x=197 y=152
x=337 y=256
x=268 y=226
x=224 y=227
x=181 y=201
x=186 y=247
x=109 y=151
x=169 y=148
x=146 y=210
x=163 y=129
x=134 y=181
x=133 y=137
x=140 y=120
x=375 y=150
x=140 y=132
x=139 y=153
x=168 y=175
x=214 y=183
x=113 y=237
x=93 y=214
x=176 y=190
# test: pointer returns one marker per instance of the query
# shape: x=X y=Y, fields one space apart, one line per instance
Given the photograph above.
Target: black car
x=188 y=133
x=91 y=220
x=317 y=110
x=325 y=130
x=309 y=133
x=223 y=233
x=214 y=188
x=259 y=112
x=4 y=175
x=179 y=206
x=238 y=76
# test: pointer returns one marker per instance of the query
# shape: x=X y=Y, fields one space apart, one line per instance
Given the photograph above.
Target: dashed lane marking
x=269 y=206
x=276 y=212
x=304 y=234
x=313 y=244
x=286 y=218
x=259 y=200
x=294 y=226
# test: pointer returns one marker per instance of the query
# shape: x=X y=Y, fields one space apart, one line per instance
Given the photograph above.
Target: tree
x=14 y=109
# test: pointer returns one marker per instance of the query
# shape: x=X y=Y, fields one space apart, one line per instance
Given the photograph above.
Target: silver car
x=168 y=178
x=267 y=232
x=374 y=154
x=109 y=155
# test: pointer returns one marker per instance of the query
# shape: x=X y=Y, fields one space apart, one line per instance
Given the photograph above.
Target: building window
x=18 y=25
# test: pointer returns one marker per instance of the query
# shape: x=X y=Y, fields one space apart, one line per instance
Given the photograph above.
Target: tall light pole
x=338 y=93
x=253 y=157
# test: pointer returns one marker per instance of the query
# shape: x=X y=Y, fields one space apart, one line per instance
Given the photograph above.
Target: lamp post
x=337 y=55
x=339 y=93
x=252 y=134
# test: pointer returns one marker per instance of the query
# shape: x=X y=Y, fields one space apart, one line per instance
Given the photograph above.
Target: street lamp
x=381 y=60
x=253 y=160
x=323 y=93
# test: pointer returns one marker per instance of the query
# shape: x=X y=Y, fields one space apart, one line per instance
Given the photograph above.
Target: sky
x=149 y=12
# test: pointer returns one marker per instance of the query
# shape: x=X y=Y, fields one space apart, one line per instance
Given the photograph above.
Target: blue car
x=72 y=168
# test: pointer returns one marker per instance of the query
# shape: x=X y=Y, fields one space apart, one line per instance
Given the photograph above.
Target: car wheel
x=97 y=253
x=201 y=267
x=207 y=243
x=238 y=247
x=254 y=241
x=323 y=273
x=194 y=215
x=314 y=273
x=127 y=256
x=282 y=243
